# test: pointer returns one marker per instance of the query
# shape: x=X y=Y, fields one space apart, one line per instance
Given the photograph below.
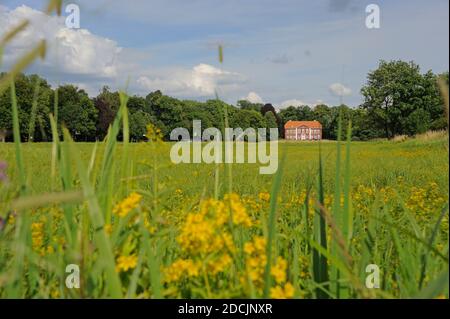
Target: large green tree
x=33 y=95
x=400 y=99
x=77 y=112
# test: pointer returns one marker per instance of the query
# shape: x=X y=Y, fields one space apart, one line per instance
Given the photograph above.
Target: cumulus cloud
x=201 y=80
x=339 y=89
x=293 y=102
x=253 y=97
x=70 y=51
x=296 y=103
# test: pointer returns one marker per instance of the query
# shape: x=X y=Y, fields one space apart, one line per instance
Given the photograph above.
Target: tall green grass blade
x=101 y=239
x=337 y=214
x=24 y=203
x=125 y=145
x=320 y=263
x=17 y=138
x=21 y=235
x=106 y=171
x=437 y=288
x=426 y=254
x=272 y=224
x=347 y=214
x=153 y=262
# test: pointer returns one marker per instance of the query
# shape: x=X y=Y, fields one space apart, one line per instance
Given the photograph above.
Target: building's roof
x=294 y=124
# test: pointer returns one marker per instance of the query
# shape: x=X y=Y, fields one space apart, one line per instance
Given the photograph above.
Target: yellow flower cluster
x=154 y=134
x=206 y=237
x=264 y=196
x=219 y=265
x=279 y=292
x=180 y=269
x=240 y=216
x=256 y=260
x=254 y=205
x=278 y=270
x=205 y=231
x=123 y=208
x=124 y=263
x=425 y=200
x=387 y=193
x=38 y=239
x=362 y=197
x=37 y=236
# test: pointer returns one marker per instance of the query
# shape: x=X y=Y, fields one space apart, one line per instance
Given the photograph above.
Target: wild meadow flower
x=124 y=263
x=219 y=264
x=123 y=208
x=264 y=196
x=154 y=133
x=279 y=292
x=239 y=212
x=255 y=264
x=256 y=260
x=206 y=231
x=180 y=269
x=278 y=271
x=205 y=238
x=37 y=237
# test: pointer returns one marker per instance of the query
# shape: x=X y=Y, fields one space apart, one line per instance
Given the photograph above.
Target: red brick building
x=303 y=130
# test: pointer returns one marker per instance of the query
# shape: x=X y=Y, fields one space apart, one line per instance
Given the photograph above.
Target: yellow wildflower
x=264 y=196
x=181 y=268
x=240 y=216
x=128 y=204
x=219 y=265
x=37 y=236
x=279 y=292
x=124 y=263
x=278 y=271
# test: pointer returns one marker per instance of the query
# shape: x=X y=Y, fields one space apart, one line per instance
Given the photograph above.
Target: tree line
x=398 y=100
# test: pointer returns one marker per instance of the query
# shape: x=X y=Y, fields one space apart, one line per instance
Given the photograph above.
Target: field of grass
x=139 y=226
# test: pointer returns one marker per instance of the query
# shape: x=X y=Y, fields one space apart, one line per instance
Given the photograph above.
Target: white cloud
x=339 y=89
x=296 y=103
x=71 y=51
x=253 y=97
x=293 y=102
x=201 y=80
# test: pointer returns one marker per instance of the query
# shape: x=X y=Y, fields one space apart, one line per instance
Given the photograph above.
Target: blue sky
x=283 y=52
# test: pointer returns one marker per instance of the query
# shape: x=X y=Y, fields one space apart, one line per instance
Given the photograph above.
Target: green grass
x=410 y=246
x=333 y=209
x=372 y=163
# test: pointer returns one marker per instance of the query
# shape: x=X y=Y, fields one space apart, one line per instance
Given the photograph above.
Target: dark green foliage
x=398 y=100
x=401 y=100
x=76 y=111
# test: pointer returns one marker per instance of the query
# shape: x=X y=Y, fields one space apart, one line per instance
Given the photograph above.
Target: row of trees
x=398 y=99
x=88 y=119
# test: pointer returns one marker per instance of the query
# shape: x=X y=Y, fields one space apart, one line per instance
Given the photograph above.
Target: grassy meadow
x=338 y=220
x=139 y=226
